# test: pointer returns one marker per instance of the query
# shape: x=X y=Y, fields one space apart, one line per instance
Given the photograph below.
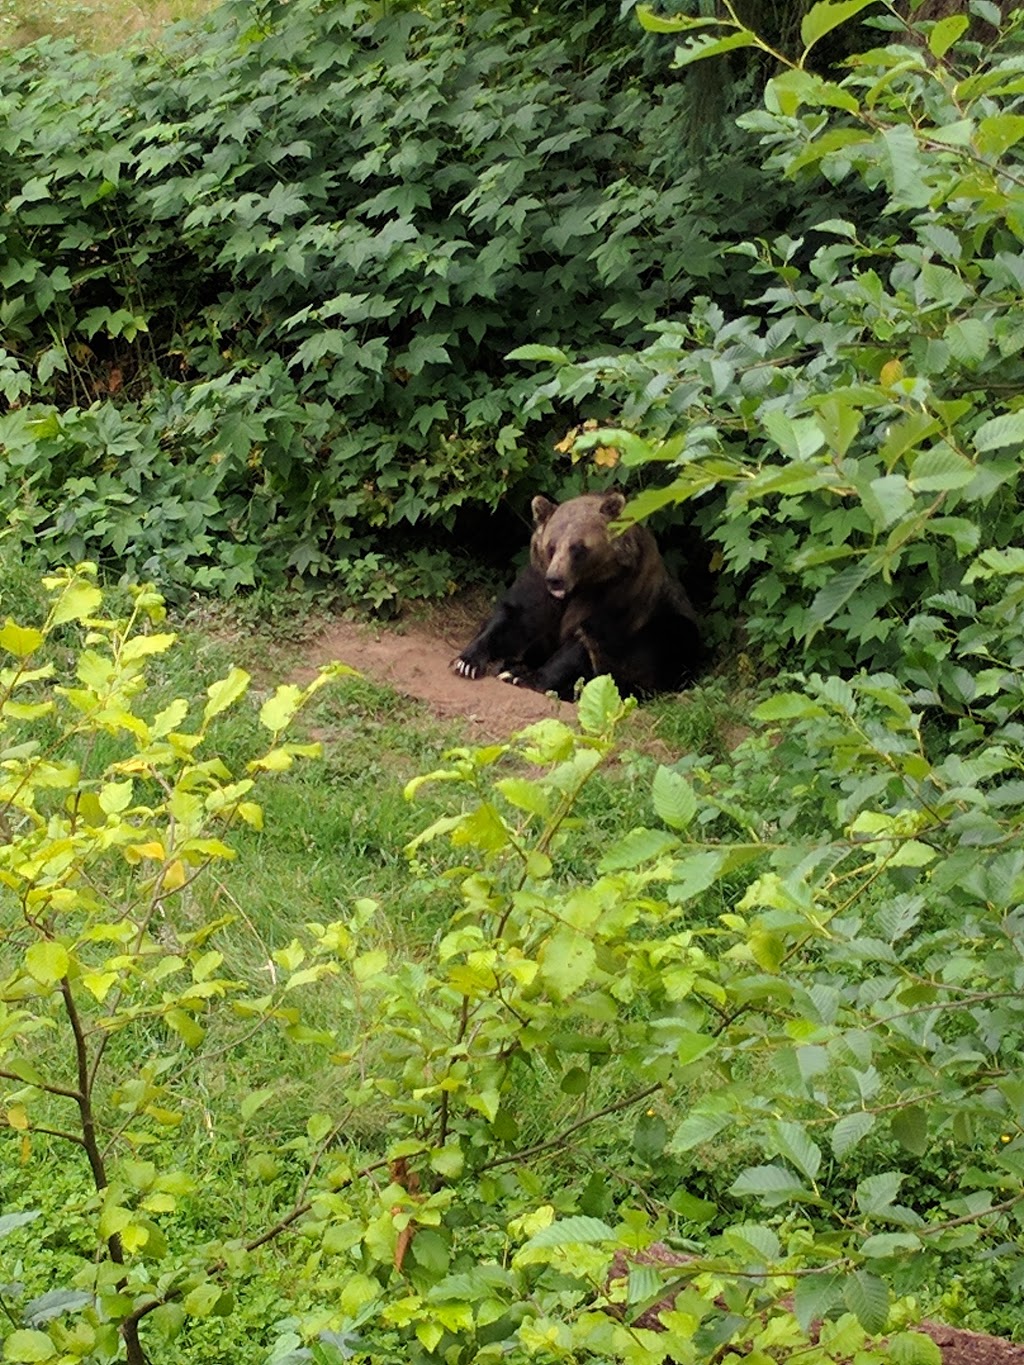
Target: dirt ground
x=415 y=659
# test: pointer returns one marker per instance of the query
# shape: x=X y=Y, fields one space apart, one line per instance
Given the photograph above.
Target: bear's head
x=571 y=544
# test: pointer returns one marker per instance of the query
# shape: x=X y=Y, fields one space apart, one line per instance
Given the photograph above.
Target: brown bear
x=589 y=602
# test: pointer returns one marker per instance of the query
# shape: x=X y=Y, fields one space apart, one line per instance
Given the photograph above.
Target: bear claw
x=465 y=669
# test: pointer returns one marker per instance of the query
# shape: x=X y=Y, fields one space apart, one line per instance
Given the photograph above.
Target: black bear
x=589 y=602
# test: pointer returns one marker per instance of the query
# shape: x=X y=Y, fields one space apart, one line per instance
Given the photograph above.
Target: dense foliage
x=508 y=1123
x=756 y=1060
x=257 y=302
x=856 y=442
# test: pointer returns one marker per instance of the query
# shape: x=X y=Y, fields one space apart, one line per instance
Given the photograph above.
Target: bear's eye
x=550 y=550
x=577 y=550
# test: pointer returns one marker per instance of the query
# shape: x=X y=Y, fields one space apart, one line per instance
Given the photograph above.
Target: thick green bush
x=854 y=447
x=258 y=301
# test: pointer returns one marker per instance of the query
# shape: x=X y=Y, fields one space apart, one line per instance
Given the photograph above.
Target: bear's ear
x=542 y=509
x=612 y=504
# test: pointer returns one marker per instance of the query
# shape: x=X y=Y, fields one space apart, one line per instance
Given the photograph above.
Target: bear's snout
x=556 y=585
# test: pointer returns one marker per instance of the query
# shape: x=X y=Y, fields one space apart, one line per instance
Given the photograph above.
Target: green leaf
x=254 y=1101
x=946 y=32
x=25 y=1345
x=909 y=433
x=754 y=1238
x=225 y=693
x=867 y=1298
x=906 y=172
x=697 y=1129
x=47 y=962
x=10 y=1221
x=849 y=1131
x=658 y=23
x=551 y=354
x=637 y=847
x=54 y=1304
x=887 y=499
x=649 y=1138
x=674 y=799
x=910 y=1129
x=994 y=562
x=566 y=962
x=692 y=875
x=996 y=134
x=939 y=470
x=773 y=1184
x=837 y=592
x=793 y=1143
x=690 y=1046
x=827 y=15
x=565 y=1232
x=599 y=705
x=876 y=1192
x=788 y=706
x=968 y=340
x=814 y=1296
x=703 y=47
x=1007 y=430
x=913 y=1348
x=885 y=1244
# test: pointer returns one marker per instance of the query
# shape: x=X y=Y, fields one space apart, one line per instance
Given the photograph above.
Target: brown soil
x=415 y=659
x=971 y=1348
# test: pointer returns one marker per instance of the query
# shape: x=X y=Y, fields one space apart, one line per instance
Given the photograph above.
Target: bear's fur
x=589 y=602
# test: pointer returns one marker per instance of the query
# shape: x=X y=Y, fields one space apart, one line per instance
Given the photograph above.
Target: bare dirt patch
x=415 y=659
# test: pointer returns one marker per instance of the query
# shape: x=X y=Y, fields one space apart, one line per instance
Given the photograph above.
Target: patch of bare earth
x=415 y=659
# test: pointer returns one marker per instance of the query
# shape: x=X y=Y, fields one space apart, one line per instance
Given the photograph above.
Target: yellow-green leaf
x=26 y=710
x=78 y=600
x=201 y=1301
x=21 y=641
x=275 y=761
x=98 y=984
x=278 y=711
x=25 y=1346
x=17 y=1117
x=47 y=962
x=251 y=813
x=142 y=645
x=225 y=693
x=134 y=1237
x=116 y=797
x=369 y=964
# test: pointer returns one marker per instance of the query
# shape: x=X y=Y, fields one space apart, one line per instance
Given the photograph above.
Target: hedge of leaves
x=259 y=288
x=854 y=446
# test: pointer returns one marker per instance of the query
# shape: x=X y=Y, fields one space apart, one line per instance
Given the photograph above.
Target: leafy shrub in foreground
x=463 y=1177
x=109 y=818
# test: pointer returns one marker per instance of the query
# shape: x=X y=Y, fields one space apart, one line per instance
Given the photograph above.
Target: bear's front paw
x=517 y=679
x=465 y=669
